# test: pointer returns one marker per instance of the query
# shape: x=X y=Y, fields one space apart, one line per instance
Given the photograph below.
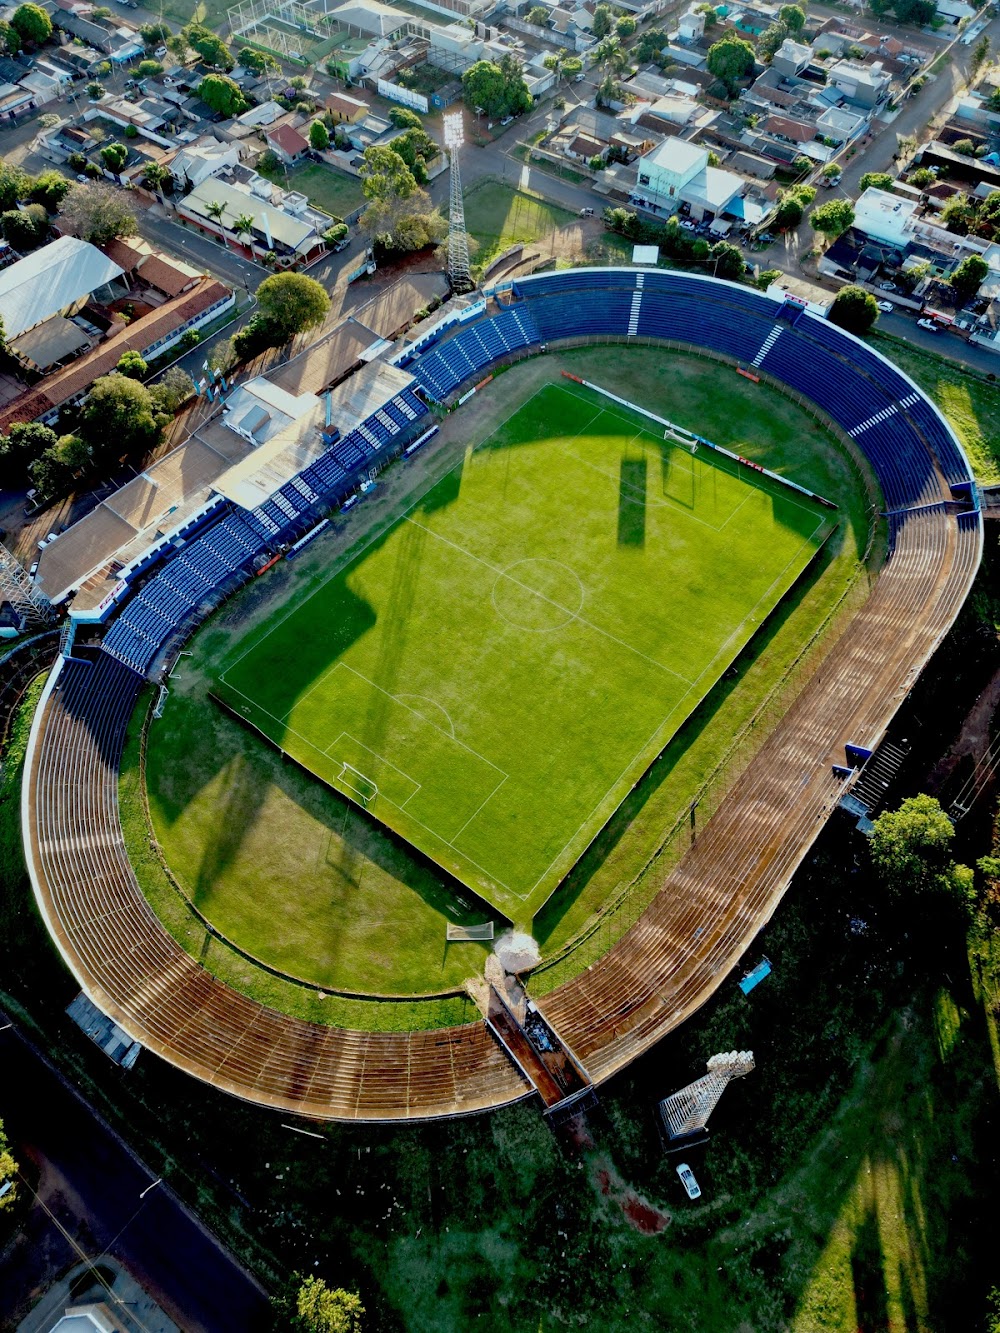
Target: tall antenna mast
x=458 y=239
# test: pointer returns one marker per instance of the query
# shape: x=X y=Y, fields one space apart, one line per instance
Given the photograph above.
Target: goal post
x=363 y=788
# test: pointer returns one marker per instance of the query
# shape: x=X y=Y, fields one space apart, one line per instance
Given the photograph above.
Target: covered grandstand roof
x=45 y=282
x=128 y=522
x=259 y=410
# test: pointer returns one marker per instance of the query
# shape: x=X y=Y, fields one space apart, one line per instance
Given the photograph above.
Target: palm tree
x=243 y=226
x=215 y=211
x=154 y=178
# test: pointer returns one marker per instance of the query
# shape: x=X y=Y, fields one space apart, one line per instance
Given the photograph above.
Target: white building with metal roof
x=58 y=279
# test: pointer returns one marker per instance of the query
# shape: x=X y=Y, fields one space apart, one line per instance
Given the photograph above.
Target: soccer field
x=504 y=663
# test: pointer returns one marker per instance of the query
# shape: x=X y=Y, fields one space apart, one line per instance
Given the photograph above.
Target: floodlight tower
x=458 y=239
x=685 y=1113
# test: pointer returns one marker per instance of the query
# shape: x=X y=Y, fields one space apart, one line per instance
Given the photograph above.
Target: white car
x=688 y=225
x=886 y=307
x=931 y=324
x=691 y=1187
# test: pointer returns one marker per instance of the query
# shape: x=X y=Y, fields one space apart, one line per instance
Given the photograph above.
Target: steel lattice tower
x=686 y=1112
x=458 y=238
x=17 y=588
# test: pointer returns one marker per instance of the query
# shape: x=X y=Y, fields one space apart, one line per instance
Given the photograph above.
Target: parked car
x=691 y=1187
x=507 y=120
x=688 y=225
x=886 y=307
x=586 y=212
x=931 y=324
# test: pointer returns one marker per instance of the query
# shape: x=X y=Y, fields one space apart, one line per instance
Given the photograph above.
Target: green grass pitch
x=507 y=660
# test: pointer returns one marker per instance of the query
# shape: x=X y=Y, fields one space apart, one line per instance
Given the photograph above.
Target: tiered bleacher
x=903 y=436
x=221 y=554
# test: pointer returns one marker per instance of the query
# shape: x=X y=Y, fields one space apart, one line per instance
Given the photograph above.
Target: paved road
x=88 y=1205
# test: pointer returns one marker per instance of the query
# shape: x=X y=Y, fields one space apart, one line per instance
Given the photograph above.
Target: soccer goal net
x=363 y=788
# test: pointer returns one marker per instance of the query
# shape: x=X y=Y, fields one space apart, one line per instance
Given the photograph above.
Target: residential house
x=865 y=85
x=344 y=109
x=676 y=172
x=286 y=143
x=205 y=157
x=279 y=222
x=16 y=100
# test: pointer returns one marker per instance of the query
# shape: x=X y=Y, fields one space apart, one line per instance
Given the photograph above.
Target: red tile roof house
x=286 y=143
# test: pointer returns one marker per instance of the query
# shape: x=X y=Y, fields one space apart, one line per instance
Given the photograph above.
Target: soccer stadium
x=611 y=523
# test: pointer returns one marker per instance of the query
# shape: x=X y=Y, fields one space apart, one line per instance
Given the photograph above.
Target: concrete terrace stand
x=712 y=903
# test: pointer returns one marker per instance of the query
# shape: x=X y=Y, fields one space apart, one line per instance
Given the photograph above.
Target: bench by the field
x=481 y=932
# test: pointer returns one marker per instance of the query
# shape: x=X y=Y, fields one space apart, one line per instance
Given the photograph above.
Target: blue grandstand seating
x=897 y=429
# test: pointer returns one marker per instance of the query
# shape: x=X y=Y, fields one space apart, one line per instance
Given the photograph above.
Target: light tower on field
x=685 y=1114
x=458 y=239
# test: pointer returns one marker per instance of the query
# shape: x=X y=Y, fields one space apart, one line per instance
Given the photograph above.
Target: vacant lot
x=499 y=216
x=331 y=191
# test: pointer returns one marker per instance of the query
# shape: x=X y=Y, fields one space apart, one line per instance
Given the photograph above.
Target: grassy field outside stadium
x=305 y=881
x=506 y=662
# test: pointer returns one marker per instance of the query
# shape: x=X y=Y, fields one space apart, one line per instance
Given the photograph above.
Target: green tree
x=911 y=847
x=54 y=472
x=15 y=184
x=765 y=278
x=95 y=90
x=155 y=177
x=499 y=88
x=117 y=417
x=625 y=26
x=321 y=1309
x=31 y=23
x=603 y=21
x=538 y=15
x=132 y=364
x=788 y=214
x=731 y=60
x=831 y=170
x=9 y=1169
x=114 y=156
x=964 y=146
x=243 y=225
x=385 y=176
x=10 y=39
x=570 y=67
x=649 y=44
x=154 y=33
x=959 y=214
x=969 y=276
x=172 y=389
x=209 y=46
x=793 y=16
x=319 y=136
x=256 y=62
x=25 y=228
x=292 y=302
x=221 y=358
x=223 y=95
x=980 y=53
x=727 y=261
x=832 y=218
x=148 y=69
x=770 y=40
x=98 y=213
x=256 y=335
x=25 y=442
x=405 y=119
x=876 y=180
x=50 y=189
x=854 y=309
x=922 y=177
